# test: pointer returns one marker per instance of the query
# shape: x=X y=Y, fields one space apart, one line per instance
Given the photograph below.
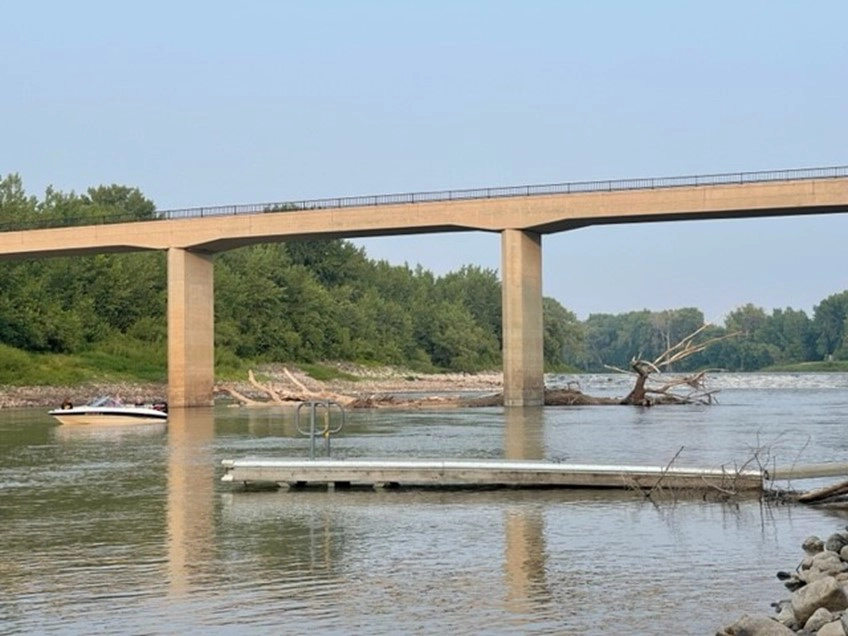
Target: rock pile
x=819 y=600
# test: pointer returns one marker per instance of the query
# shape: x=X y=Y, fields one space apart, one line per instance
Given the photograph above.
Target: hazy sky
x=212 y=103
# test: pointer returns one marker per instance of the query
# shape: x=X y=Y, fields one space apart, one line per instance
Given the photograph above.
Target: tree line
x=308 y=301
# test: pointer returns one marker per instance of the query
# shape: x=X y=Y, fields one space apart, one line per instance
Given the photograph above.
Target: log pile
x=295 y=391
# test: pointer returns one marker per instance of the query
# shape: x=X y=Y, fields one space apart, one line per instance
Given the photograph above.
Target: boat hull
x=87 y=416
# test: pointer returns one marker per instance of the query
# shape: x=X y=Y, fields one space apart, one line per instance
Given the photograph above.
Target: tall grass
x=117 y=360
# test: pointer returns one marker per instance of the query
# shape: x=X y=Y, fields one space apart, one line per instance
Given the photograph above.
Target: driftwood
x=643 y=393
x=821 y=495
x=275 y=396
x=281 y=396
x=240 y=397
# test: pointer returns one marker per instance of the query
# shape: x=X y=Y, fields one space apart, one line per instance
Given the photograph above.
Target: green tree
x=748 y=320
x=120 y=203
x=791 y=333
x=17 y=209
x=829 y=318
x=453 y=340
x=563 y=336
x=479 y=291
x=332 y=262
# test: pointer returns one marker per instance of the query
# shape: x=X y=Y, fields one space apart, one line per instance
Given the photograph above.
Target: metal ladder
x=328 y=429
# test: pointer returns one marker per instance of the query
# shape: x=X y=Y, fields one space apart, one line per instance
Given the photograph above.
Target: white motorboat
x=111 y=411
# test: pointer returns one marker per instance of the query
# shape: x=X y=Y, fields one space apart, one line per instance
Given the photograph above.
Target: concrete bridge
x=522 y=215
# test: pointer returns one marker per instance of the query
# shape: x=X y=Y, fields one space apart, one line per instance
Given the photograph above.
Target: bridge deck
x=436 y=473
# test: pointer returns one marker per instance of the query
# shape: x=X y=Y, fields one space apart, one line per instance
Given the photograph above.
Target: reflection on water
x=131 y=531
x=524 y=542
x=524 y=433
x=525 y=559
x=69 y=433
x=190 y=490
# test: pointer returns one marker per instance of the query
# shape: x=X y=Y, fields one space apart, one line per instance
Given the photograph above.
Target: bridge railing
x=612 y=185
x=516 y=191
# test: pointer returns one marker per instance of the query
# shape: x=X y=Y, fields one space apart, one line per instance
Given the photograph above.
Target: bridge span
x=521 y=215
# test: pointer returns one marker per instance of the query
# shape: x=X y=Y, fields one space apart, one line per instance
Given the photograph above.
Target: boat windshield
x=106 y=400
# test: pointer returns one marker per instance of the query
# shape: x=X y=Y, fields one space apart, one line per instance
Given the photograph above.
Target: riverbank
x=357 y=381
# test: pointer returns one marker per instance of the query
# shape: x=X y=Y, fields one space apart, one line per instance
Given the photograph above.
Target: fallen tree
x=652 y=386
x=648 y=389
x=644 y=394
x=294 y=392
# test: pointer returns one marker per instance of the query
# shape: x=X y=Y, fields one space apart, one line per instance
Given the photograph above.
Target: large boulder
x=812 y=545
x=785 y=615
x=825 y=592
x=819 y=619
x=832 y=629
x=836 y=541
x=825 y=563
x=755 y=626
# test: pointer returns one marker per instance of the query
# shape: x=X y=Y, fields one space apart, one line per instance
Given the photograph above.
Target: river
x=131 y=531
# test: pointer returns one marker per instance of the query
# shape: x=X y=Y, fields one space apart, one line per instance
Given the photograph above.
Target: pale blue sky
x=207 y=103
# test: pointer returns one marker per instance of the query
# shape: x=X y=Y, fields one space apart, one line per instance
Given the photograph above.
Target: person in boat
x=67 y=404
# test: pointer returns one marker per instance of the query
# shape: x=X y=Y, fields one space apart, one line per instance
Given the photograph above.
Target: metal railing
x=314 y=431
x=515 y=191
x=613 y=185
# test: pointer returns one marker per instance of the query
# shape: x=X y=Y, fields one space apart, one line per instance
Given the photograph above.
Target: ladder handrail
x=327 y=431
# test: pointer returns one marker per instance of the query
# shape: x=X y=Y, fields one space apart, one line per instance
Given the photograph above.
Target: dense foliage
x=763 y=340
x=307 y=301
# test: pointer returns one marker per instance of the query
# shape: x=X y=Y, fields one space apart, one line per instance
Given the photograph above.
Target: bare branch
x=297 y=382
x=246 y=401
x=664 y=472
x=267 y=388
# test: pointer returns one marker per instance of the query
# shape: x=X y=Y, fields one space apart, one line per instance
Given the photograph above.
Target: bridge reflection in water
x=525 y=553
x=193 y=494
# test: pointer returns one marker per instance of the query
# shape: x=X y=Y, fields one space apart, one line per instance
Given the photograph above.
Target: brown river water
x=131 y=531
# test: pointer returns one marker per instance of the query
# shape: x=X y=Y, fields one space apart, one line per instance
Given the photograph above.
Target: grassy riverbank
x=114 y=364
x=28 y=379
x=138 y=363
x=46 y=384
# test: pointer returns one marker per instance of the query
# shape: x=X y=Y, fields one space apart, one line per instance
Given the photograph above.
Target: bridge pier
x=191 y=338
x=523 y=332
x=191 y=328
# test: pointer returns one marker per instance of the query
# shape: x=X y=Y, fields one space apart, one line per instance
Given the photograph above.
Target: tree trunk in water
x=638 y=395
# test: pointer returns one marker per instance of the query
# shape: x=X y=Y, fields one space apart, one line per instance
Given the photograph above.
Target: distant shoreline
x=356 y=381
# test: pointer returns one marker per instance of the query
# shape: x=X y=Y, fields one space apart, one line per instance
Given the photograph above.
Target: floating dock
x=434 y=473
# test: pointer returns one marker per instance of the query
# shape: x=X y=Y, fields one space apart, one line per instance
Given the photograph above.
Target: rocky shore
x=818 y=598
x=52 y=396
x=365 y=381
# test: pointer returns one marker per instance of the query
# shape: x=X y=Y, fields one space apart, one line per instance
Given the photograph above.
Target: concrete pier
x=523 y=330
x=191 y=330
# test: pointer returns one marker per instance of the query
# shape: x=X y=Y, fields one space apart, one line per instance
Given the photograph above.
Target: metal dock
x=435 y=473
x=456 y=473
